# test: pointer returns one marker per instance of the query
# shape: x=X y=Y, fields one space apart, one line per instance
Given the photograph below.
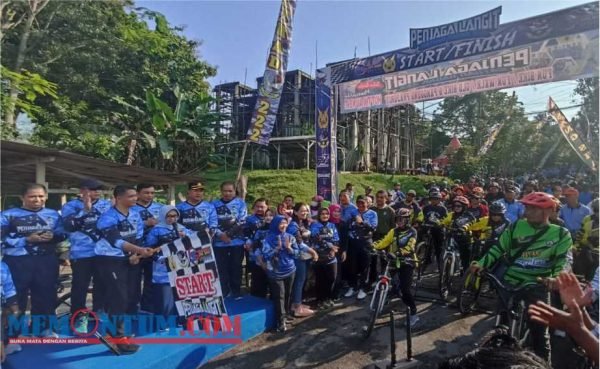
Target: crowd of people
x=115 y=243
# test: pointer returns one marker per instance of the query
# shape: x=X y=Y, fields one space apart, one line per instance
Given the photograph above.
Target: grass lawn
x=301 y=183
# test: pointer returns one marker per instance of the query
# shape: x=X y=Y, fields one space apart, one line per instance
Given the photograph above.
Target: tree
x=586 y=120
x=105 y=57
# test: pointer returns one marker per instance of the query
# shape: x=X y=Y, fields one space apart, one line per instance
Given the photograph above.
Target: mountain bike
x=424 y=250
x=450 y=265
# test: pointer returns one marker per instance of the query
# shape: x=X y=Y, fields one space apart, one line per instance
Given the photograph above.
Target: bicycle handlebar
x=510 y=289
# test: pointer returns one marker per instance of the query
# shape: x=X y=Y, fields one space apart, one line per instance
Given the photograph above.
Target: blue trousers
x=299 y=280
x=164 y=302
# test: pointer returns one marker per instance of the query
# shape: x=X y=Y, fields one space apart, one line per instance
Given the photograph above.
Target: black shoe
x=281 y=328
x=128 y=348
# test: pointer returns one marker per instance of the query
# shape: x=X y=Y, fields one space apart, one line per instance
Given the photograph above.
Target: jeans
x=299 y=280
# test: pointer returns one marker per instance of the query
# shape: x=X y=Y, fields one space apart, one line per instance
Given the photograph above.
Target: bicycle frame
x=384 y=282
x=451 y=251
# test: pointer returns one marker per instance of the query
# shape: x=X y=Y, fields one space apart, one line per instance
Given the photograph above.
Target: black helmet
x=403 y=213
x=435 y=195
x=497 y=208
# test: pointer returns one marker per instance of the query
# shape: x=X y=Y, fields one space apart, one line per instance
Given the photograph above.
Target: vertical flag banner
x=326 y=147
x=269 y=93
x=571 y=135
x=490 y=140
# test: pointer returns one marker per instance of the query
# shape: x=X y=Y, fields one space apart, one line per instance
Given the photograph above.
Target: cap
x=195 y=186
x=91 y=184
x=412 y=192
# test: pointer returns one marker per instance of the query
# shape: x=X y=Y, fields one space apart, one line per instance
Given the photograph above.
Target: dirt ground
x=332 y=339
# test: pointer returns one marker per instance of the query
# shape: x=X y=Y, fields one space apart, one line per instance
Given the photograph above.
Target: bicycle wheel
x=445 y=280
x=378 y=299
x=469 y=293
x=421 y=251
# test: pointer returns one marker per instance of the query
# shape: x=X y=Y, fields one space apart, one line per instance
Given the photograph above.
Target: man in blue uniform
x=29 y=237
x=122 y=231
x=80 y=217
x=229 y=244
x=149 y=211
x=197 y=214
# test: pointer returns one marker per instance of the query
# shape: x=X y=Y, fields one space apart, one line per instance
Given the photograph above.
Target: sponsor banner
x=478 y=26
x=569 y=21
x=326 y=146
x=490 y=140
x=269 y=93
x=193 y=275
x=554 y=59
x=571 y=135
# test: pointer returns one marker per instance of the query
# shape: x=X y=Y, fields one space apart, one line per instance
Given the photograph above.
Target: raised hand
x=570 y=289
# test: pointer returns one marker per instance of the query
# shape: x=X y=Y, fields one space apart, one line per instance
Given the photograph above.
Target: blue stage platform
x=257 y=315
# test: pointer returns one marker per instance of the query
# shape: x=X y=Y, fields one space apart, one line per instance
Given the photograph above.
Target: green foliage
x=465 y=163
x=104 y=55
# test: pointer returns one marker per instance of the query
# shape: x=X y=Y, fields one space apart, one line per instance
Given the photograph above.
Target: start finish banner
x=469 y=37
x=555 y=59
x=269 y=93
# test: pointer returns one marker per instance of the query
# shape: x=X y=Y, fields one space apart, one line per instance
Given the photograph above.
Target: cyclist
x=476 y=207
x=491 y=227
x=586 y=248
x=457 y=222
x=412 y=205
x=539 y=249
x=432 y=214
x=514 y=208
x=401 y=242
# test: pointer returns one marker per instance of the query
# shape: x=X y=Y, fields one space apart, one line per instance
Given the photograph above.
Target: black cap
x=91 y=184
x=195 y=185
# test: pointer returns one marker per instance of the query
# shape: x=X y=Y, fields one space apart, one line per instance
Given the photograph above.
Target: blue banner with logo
x=269 y=93
x=439 y=44
x=326 y=146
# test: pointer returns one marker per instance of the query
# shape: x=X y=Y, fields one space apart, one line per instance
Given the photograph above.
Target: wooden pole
x=239 y=172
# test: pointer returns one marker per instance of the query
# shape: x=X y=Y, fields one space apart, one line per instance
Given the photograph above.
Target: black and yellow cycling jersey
x=400 y=241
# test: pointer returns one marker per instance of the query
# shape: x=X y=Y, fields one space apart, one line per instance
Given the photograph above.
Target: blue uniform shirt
x=323 y=237
x=258 y=230
x=231 y=215
x=81 y=225
x=197 y=217
x=369 y=219
x=514 y=210
x=159 y=236
x=17 y=224
x=8 y=292
x=147 y=212
x=117 y=228
x=348 y=213
x=573 y=217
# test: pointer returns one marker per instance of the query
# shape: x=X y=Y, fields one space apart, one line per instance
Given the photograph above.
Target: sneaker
x=11 y=348
x=81 y=324
x=414 y=319
x=281 y=328
x=47 y=333
x=350 y=292
x=128 y=348
x=361 y=295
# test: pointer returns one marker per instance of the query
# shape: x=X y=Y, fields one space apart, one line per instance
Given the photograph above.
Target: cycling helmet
x=512 y=189
x=403 y=213
x=461 y=200
x=434 y=189
x=494 y=184
x=435 y=195
x=477 y=190
x=497 y=208
x=458 y=188
x=540 y=200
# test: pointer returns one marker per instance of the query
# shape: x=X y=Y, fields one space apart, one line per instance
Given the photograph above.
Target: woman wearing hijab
x=279 y=253
x=335 y=217
x=325 y=240
x=167 y=230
